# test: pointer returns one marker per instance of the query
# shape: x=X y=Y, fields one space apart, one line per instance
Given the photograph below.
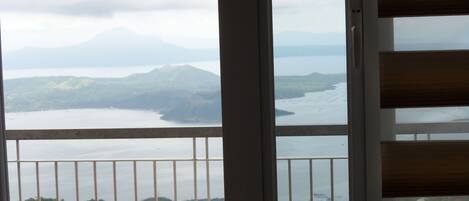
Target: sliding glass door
x=311 y=100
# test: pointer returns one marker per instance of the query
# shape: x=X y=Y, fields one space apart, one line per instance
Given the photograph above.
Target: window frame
x=248 y=100
x=248 y=112
x=4 y=182
x=251 y=129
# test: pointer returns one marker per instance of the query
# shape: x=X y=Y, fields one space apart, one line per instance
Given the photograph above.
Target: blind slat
x=424 y=79
x=414 y=169
x=414 y=8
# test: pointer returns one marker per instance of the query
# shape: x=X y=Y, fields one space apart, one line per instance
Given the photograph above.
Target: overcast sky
x=189 y=23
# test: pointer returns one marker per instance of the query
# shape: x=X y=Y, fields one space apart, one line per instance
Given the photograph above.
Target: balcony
x=181 y=175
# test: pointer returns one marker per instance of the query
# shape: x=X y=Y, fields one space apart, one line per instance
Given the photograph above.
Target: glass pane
x=80 y=64
x=431 y=33
x=311 y=90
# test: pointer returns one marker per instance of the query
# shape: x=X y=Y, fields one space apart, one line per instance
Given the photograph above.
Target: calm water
x=283 y=66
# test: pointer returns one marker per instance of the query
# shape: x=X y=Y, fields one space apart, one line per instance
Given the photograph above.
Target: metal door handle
x=356 y=42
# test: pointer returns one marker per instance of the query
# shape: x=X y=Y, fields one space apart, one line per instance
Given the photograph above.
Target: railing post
x=332 y=178
x=194 y=158
x=175 y=186
x=77 y=182
x=38 y=182
x=311 y=189
x=207 y=164
x=56 y=174
x=290 y=193
x=18 y=166
x=155 y=182
x=95 y=181
x=135 y=182
x=114 y=180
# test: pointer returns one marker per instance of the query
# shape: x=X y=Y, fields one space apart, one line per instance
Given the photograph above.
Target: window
x=110 y=65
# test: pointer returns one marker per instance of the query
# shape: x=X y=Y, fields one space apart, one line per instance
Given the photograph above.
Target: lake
x=283 y=66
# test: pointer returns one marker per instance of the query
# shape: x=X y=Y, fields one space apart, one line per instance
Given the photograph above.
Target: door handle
x=356 y=40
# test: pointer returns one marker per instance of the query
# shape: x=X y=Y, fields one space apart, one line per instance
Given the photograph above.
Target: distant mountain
x=180 y=93
x=121 y=47
x=118 y=47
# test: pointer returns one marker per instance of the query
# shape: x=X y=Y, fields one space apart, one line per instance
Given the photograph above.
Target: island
x=181 y=93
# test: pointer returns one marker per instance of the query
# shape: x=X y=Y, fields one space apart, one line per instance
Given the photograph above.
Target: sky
x=188 y=23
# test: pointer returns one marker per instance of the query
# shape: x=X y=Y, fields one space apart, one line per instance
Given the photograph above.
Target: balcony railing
x=194 y=133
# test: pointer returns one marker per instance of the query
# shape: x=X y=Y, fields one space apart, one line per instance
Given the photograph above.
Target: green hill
x=180 y=93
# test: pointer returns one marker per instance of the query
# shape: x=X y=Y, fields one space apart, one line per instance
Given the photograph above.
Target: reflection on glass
x=448 y=123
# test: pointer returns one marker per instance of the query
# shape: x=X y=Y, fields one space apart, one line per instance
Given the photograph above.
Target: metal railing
x=194 y=133
x=310 y=161
x=114 y=163
x=140 y=133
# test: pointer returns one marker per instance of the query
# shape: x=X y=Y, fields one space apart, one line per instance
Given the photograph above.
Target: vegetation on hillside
x=180 y=93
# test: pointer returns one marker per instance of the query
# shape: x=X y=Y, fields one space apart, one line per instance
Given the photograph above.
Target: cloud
x=109 y=7
x=100 y=7
x=300 y=4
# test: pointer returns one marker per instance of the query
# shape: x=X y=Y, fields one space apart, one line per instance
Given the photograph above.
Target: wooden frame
x=414 y=8
x=248 y=100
